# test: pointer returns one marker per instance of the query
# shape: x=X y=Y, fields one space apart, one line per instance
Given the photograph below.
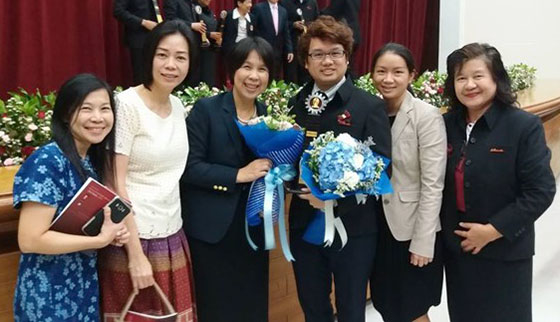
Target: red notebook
x=91 y=197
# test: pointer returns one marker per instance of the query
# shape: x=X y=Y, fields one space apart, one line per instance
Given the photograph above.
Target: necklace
x=245 y=122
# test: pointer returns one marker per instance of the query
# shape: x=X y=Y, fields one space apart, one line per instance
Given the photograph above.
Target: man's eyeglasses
x=335 y=54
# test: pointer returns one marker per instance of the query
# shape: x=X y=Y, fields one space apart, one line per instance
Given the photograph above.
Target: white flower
x=351 y=179
x=32 y=127
x=285 y=125
x=9 y=162
x=46 y=129
x=358 y=161
x=28 y=137
x=347 y=139
x=6 y=138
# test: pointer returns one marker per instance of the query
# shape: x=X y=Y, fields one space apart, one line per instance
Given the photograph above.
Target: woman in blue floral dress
x=57 y=278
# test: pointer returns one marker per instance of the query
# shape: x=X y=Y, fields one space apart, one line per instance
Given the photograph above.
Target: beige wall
x=525 y=31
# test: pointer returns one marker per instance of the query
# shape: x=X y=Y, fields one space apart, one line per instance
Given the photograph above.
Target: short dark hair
x=70 y=97
x=493 y=60
x=326 y=28
x=398 y=50
x=162 y=30
x=243 y=48
x=235 y=2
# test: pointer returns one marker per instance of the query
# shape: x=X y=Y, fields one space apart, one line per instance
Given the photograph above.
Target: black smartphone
x=119 y=210
x=295 y=188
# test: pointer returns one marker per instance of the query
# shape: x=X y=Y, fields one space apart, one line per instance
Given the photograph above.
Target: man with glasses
x=330 y=102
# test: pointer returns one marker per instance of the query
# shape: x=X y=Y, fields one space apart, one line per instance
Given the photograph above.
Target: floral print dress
x=54 y=287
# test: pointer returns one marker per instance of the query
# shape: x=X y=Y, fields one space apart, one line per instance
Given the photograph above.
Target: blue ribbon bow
x=274 y=181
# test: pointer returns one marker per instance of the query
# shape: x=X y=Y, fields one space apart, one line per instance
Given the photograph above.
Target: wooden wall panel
x=8 y=275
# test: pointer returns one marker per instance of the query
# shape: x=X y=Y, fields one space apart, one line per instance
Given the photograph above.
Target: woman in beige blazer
x=407 y=278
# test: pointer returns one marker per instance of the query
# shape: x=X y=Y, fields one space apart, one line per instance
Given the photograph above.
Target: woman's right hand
x=141 y=273
x=256 y=169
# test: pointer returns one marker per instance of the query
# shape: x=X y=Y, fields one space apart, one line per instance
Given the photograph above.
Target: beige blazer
x=419 y=156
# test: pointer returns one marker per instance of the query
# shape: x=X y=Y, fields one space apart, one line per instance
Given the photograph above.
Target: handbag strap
x=135 y=292
x=164 y=299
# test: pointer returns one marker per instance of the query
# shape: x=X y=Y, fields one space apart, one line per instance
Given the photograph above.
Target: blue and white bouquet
x=335 y=167
x=275 y=137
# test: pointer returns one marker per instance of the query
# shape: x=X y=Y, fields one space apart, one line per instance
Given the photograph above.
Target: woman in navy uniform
x=498 y=182
x=238 y=25
x=231 y=278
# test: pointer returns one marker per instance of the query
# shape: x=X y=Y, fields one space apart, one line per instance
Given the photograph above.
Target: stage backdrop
x=43 y=42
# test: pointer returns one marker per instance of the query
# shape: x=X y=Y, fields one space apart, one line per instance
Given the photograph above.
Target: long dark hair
x=70 y=97
x=493 y=60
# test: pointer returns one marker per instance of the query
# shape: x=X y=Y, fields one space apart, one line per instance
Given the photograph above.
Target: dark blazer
x=209 y=194
x=369 y=119
x=309 y=10
x=185 y=10
x=230 y=31
x=349 y=11
x=179 y=9
x=264 y=27
x=131 y=13
x=507 y=179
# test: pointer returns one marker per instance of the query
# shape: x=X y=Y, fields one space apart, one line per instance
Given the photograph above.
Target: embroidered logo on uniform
x=315 y=103
x=496 y=150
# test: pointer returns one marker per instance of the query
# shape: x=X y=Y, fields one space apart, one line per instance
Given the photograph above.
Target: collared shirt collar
x=489 y=117
x=273 y=5
x=331 y=91
x=236 y=15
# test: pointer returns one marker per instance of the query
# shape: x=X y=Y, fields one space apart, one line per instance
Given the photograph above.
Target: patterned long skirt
x=171 y=265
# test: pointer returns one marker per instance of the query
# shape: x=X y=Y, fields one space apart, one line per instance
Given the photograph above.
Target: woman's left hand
x=122 y=238
x=476 y=236
x=313 y=201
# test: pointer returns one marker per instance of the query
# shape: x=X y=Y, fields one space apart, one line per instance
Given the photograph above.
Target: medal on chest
x=315 y=103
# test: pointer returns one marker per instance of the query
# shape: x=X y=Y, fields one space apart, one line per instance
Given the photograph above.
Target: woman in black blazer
x=231 y=33
x=498 y=182
x=231 y=280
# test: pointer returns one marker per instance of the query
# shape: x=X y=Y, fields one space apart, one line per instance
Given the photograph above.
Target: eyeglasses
x=335 y=54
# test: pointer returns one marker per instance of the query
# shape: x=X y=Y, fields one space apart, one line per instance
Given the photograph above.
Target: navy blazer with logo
x=507 y=179
x=368 y=119
x=209 y=193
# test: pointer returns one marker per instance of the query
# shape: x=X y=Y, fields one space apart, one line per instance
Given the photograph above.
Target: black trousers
x=231 y=279
x=137 y=65
x=204 y=70
x=315 y=267
x=296 y=73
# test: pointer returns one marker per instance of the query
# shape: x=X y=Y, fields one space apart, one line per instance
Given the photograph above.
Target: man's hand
x=313 y=201
x=148 y=24
x=290 y=57
x=199 y=27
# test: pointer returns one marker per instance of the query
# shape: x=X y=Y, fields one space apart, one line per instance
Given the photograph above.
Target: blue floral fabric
x=54 y=287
